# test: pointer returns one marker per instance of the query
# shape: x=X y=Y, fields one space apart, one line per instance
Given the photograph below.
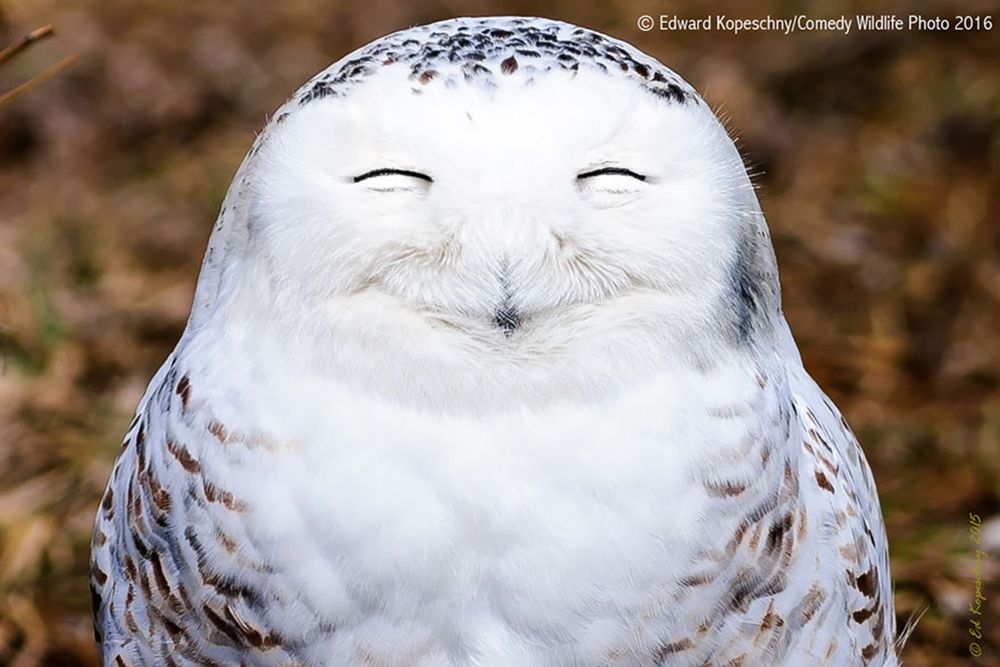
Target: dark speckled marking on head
x=482 y=49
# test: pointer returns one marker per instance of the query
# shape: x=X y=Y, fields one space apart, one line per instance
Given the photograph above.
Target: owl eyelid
x=388 y=171
x=611 y=171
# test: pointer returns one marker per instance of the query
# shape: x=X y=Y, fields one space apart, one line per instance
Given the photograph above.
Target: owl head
x=517 y=198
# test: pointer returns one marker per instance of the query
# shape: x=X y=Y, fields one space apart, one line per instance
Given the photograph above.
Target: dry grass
x=877 y=155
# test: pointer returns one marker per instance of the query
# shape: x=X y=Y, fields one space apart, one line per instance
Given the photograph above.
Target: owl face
x=540 y=221
x=486 y=213
x=491 y=206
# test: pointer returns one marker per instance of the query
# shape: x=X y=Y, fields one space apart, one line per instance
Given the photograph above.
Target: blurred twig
x=17 y=47
x=36 y=35
x=38 y=79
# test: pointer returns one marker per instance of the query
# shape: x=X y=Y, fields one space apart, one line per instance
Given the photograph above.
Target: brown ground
x=877 y=156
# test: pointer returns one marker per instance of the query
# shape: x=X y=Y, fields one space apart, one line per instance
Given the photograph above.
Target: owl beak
x=506 y=317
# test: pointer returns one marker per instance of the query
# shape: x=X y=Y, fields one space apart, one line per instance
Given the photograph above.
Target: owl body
x=468 y=409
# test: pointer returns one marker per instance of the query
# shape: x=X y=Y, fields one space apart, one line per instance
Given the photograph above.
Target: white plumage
x=487 y=366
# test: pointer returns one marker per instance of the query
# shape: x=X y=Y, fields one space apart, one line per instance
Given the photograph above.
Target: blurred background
x=877 y=157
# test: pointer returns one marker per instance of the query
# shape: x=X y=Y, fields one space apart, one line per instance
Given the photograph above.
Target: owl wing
x=173 y=580
x=836 y=475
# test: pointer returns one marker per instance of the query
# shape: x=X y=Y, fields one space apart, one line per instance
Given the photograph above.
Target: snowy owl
x=487 y=366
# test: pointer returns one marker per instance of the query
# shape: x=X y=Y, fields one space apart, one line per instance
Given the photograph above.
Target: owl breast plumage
x=486 y=366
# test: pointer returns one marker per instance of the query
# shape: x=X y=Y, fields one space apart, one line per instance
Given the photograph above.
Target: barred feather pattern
x=792 y=570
